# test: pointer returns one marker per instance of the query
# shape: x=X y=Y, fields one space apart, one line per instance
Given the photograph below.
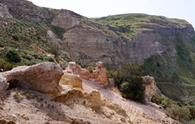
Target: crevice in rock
x=13 y=84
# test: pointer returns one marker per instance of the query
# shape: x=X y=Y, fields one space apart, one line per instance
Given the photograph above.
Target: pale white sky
x=184 y=9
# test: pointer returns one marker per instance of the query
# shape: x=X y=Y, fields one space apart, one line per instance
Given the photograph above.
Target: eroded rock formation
x=99 y=74
x=150 y=88
x=72 y=80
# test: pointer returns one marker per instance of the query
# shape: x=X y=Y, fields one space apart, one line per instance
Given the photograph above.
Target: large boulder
x=43 y=77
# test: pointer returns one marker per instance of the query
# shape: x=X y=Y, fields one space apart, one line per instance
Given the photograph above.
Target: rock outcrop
x=4 y=13
x=92 y=100
x=150 y=88
x=43 y=77
x=66 y=19
x=99 y=74
x=72 y=80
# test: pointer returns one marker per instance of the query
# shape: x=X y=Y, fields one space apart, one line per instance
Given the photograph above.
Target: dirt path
x=131 y=106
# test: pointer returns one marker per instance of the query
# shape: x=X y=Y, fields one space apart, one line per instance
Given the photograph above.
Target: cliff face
x=26 y=10
x=165 y=47
x=116 y=44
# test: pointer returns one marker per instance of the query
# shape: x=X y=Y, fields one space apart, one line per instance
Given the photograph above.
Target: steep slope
x=166 y=48
x=132 y=108
x=40 y=94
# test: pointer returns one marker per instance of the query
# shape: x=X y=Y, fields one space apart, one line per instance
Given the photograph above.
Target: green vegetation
x=132 y=89
x=24 y=43
x=58 y=31
x=12 y=56
x=128 y=80
x=4 y=65
x=174 y=74
x=178 y=111
x=129 y=25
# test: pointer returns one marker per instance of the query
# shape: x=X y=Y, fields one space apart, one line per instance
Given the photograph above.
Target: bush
x=128 y=80
x=162 y=101
x=175 y=110
x=133 y=89
x=13 y=56
x=125 y=73
x=58 y=31
x=4 y=65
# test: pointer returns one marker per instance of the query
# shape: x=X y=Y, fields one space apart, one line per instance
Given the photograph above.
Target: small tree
x=13 y=56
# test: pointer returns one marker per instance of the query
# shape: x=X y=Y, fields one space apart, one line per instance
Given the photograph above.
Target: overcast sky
x=184 y=9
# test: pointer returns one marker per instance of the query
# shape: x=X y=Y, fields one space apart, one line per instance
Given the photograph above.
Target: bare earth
x=134 y=109
x=30 y=107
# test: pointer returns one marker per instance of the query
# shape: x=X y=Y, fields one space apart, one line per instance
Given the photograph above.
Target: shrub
x=133 y=89
x=13 y=56
x=125 y=73
x=58 y=31
x=179 y=113
x=192 y=112
x=128 y=80
x=48 y=58
x=4 y=65
x=163 y=101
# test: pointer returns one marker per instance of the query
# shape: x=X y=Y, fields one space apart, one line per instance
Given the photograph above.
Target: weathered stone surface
x=100 y=74
x=71 y=79
x=66 y=19
x=43 y=77
x=4 y=11
x=3 y=84
x=74 y=68
x=94 y=100
x=76 y=96
x=70 y=97
x=150 y=88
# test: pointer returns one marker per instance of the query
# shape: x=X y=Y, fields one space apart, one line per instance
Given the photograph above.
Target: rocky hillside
x=44 y=93
x=164 y=47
